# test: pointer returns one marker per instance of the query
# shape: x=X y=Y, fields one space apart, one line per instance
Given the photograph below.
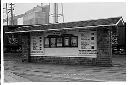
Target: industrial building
x=37 y=15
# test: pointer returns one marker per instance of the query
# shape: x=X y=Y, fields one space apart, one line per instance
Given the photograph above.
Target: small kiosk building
x=82 y=42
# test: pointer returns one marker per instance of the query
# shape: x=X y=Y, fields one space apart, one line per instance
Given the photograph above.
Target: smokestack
x=55 y=13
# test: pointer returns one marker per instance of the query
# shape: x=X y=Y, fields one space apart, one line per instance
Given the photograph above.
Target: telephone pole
x=12 y=21
x=7 y=12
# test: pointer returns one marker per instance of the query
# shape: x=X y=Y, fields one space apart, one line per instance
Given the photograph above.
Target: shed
x=82 y=42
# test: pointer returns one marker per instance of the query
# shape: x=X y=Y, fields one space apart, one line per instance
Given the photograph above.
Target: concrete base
x=72 y=60
x=63 y=60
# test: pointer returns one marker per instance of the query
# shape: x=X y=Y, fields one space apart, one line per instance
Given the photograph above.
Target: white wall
x=70 y=51
x=20 y=21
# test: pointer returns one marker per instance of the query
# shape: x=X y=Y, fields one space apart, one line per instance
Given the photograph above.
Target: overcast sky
x=82 y=11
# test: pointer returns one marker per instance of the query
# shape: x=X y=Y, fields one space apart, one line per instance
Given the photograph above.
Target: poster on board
x=37 y=47
x=87 y=42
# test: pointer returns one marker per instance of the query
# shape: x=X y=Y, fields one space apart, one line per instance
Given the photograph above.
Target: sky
x=81 y=11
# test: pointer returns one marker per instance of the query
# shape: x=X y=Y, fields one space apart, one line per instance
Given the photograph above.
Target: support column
x=104 y=47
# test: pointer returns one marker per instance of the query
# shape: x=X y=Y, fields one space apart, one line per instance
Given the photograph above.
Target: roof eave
x=64 y=28
x=121 y=19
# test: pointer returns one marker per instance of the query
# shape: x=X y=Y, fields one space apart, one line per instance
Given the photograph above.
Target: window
x=74 y=41
x=46 y=42
x=66 y=41
x=54 y=41
x=59 y=42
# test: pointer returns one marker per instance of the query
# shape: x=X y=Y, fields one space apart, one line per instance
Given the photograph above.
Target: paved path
x=23 y=72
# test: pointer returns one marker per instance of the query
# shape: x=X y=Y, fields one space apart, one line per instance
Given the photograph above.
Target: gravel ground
x=16 y=71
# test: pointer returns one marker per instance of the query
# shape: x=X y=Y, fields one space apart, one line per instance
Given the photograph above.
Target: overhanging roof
x=68 y=25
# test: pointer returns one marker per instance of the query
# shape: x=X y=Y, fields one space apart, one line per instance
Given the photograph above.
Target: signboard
x=53 y=33
x=87 y=44
x=37 y=44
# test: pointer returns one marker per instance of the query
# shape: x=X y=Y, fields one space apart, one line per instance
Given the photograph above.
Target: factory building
x=37 y=15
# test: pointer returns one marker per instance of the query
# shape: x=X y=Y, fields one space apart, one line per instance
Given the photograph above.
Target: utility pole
x=12 y=22
x=7 y=12
x=11 y=10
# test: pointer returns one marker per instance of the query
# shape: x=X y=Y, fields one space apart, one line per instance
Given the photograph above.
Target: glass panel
x=74 y=41
x=46 y=44
x=53 y=42
x=59 y=42
x=66 y=41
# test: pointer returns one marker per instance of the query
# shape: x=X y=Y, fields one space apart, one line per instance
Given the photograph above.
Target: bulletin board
x=87 y=42
x=37 y=42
